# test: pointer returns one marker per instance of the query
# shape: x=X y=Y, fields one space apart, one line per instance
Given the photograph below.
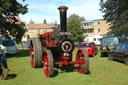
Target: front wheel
x=48 y=63
x=3 y=73
x=83 y=59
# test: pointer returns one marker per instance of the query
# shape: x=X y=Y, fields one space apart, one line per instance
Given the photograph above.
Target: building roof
x=29 y=26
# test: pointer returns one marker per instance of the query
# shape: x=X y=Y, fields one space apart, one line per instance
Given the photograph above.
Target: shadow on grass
x=22 y=53
x=11 y=76
x=69 y=68
x=55 y=73
x=119 y=61
x=64 y=69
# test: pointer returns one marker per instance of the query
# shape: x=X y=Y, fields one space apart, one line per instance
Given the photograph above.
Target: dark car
x=119 y=53
x=109 y=42
x=11 y=46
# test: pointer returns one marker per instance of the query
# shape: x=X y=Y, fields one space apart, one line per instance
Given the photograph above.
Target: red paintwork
x=70 y=62
x=49 y=42
x=31 y=55
x=46 y=64
x=66 y=59
x=80 y=58
x=60 y=48
x=48 y=39
x=90 y=50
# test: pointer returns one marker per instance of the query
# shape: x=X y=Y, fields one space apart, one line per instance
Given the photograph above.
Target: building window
x=98 y=22
x=99 y=30
x=88 y=24
x=89 y=30
x=32 y=30
x=84 y=24
x=94 y=39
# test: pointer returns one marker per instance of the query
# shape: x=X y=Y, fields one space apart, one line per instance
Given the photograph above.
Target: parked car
x=11 y=46
x=3 y=49
x=90 y=48
x=109 y=42
x=119 y=53
x=94 y=38
x=76 y=44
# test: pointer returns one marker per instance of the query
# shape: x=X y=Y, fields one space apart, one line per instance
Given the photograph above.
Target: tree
x=74 y=26
x=9 y=10
x=21 y=31
x=44 y=22
x=115 y=12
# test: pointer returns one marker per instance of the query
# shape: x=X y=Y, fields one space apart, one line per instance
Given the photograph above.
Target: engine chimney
x=63 y=20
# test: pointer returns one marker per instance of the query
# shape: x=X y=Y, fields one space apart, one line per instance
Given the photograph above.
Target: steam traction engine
x=54 y=48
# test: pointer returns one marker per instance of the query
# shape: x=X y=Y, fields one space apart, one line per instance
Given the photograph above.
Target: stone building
x=95 y=27
x=34 y=29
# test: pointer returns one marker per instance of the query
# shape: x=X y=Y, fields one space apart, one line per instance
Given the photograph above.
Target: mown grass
x=102 y=72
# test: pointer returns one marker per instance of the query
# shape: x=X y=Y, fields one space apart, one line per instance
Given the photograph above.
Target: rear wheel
x=48 y=63
x=3 y=73
x=36 y=53
x=83 y=59
x=40 y=52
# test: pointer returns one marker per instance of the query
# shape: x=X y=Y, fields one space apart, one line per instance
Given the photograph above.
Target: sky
x=38 y=10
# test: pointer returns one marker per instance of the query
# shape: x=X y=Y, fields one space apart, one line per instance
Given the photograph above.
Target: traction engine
x=54 y=48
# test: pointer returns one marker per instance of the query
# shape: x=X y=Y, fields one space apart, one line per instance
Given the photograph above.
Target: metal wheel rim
x=32 y=55
x=46 y=64
x=80 y=57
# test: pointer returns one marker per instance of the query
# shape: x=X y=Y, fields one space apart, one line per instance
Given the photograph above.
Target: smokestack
x=63 y=16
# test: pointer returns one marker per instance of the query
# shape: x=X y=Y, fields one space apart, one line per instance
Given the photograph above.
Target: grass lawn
x=102 y=72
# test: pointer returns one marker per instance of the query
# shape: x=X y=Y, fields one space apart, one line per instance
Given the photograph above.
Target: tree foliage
x=74 y=26
x=115 y=12
x=21 y=30
x=9 y=24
